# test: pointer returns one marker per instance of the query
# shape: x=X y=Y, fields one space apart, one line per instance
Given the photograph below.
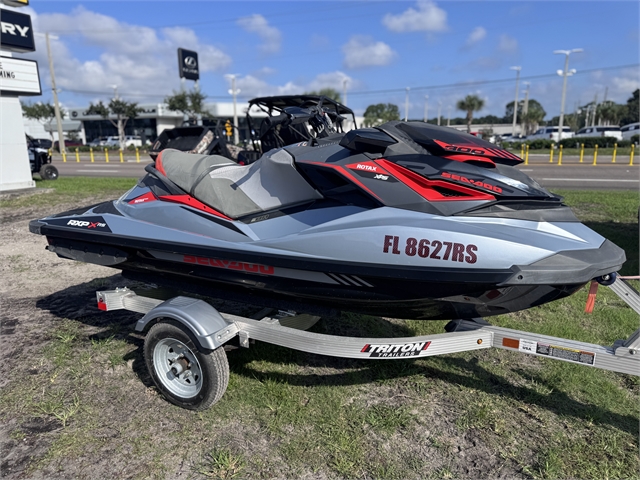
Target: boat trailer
x=184 y=353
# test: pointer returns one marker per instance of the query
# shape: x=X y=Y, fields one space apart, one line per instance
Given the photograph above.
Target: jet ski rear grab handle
x=212 y=329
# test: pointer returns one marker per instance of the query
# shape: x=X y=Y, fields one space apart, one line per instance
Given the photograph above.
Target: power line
x=375 y=92
x=486 y=82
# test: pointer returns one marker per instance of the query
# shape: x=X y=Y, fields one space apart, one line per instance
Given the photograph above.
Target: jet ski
x=405 y=220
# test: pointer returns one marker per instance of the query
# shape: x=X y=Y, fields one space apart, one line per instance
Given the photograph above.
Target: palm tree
x=470 y=104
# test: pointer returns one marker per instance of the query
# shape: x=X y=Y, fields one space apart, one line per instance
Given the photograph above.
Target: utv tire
x=186 y=374
x=48 y=172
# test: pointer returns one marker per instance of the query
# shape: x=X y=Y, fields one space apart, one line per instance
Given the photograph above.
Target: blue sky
x=444 y=49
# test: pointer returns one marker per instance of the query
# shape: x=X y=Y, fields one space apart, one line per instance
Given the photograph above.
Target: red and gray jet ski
x=407 y=220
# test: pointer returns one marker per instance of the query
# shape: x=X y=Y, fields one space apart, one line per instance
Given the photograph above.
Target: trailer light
x=510 y=342
x=102 y=305
x=479 y=341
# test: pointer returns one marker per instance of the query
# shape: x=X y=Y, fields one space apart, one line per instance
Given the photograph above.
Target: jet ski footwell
x=185 y=337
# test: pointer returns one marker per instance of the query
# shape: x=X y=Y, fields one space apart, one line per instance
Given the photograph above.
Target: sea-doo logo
x=227 y=264
x=390 y=350
x=477 y=183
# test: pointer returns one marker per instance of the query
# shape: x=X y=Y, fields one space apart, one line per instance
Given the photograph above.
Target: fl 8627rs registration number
x=427 y=248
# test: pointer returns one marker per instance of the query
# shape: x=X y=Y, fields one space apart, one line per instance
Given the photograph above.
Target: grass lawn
x=288 y=414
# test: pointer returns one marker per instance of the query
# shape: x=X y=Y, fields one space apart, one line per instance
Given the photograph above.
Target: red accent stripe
x=192 y=202
x=466 y=158
x=425 y=187
x=346 y=173
x=364 y=349
x=159 y=165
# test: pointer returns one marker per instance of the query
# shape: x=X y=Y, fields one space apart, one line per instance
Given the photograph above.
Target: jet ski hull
x=400 y=290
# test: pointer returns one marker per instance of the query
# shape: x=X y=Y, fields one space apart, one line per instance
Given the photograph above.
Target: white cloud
x=427 y=18
x=271 y=36
x=252 y=86
x=363 y=51
x=139 y=60
x=477 y=34
x=507 y=44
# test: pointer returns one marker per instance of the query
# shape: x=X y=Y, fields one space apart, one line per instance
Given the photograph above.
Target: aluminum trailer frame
x=210 y=329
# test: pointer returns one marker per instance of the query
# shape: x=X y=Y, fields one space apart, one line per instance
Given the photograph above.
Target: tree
x=380 y=113
x=190 y=103
x=42 y=112
x=633 y=109
x=534 y=116
x=610 y=112
x=470 y=104
x=331 y=93
x=123 y=111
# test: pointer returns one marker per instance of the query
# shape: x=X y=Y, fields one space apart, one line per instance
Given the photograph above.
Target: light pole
x=515 y=102
x=564 y=73
x=56 y=105
x=406 y=105
x=439 y=110
x=525 y=109
x=344 y=91
x=426 y=108
x=234 y=92
x=449 y=118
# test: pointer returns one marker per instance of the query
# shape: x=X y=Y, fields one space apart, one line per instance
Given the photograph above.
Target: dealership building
x=154 y=118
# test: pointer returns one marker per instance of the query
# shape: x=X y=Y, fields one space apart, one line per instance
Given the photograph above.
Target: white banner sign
x=19 y=76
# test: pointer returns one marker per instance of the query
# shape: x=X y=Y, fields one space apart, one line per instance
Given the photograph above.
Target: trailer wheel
x=48 y=172
x=187 y=376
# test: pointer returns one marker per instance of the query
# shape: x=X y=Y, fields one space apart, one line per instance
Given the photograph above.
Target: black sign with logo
x=17 y=32
x=188 y=64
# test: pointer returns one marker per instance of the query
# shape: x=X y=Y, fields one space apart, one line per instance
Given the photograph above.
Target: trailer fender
x=210 y=329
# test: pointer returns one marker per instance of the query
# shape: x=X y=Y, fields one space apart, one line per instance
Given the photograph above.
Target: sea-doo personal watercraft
x=406 y=220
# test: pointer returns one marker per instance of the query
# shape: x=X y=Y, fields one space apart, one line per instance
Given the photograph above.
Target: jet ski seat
x=236 y=190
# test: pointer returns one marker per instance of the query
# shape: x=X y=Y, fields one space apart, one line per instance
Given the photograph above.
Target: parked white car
x=630 y=130
x=550 y=133
x=603 y=131
x=129 y=140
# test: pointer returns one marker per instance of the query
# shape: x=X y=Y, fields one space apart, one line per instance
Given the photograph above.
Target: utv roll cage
x=295 y=118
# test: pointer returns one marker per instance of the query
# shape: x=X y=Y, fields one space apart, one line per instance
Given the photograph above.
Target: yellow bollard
x=121 y=157
x=633 y=147
x=91 y=153
x=77 y=155
x=595 y=155
x=106 y=155
x=560 y=156
x=137 y=155
x=615 y=150
x=581 y=152
x=64 y=156
x=526 y=155
x=551 y=154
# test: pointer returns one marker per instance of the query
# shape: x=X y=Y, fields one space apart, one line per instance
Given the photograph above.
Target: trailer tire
x=48 y=172
x=186 y=374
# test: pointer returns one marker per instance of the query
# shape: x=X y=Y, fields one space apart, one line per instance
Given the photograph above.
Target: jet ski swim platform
x=185 y=338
